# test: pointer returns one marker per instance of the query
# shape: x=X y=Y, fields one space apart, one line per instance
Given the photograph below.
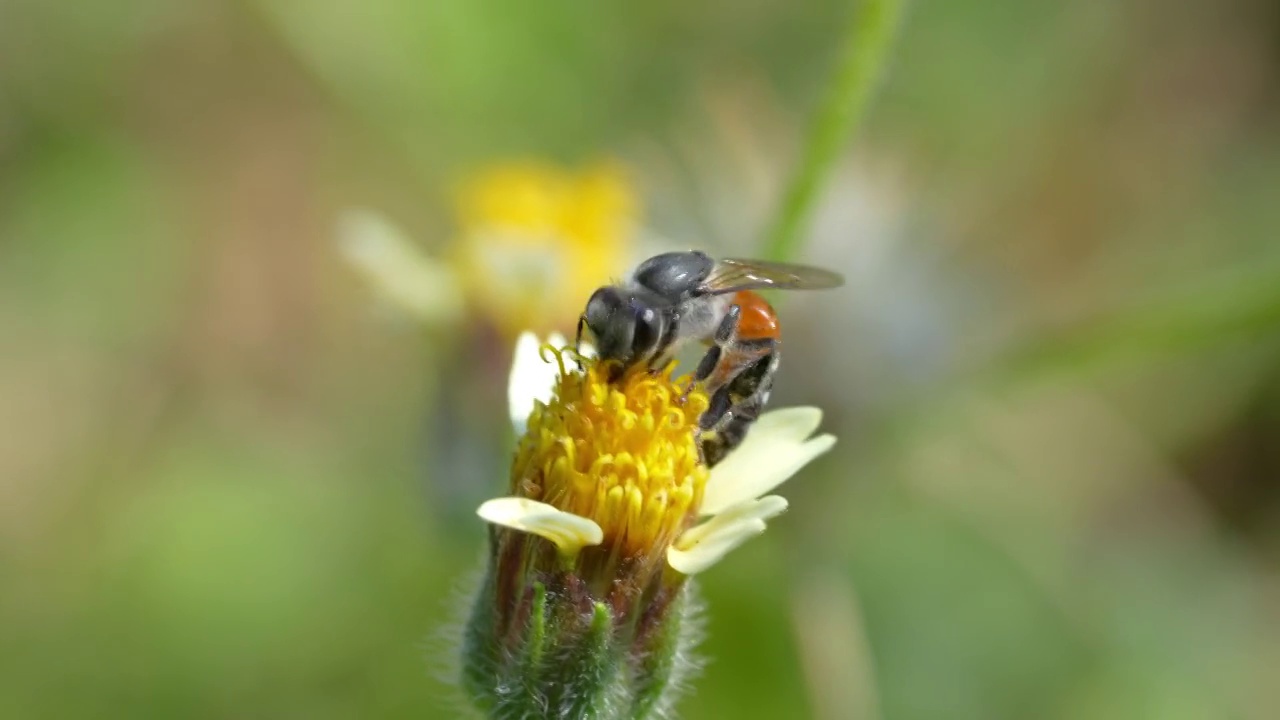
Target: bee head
x=624 y=327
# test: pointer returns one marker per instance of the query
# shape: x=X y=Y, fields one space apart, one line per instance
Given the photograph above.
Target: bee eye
x=648 y=330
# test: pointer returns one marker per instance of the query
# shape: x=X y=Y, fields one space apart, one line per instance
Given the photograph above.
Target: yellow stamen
x=622 y=454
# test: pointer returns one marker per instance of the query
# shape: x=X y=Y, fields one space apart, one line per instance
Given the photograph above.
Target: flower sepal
x=551 y=649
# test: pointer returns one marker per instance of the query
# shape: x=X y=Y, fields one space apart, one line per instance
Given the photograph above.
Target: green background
x=225 y=490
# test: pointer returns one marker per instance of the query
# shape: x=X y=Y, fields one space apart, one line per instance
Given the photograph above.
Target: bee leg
x=715 y=444
x=720 y=406
x=723 y=336
x=744 y=394
x=660 y=359
x=706 y=366
x=737 y=404
x=725 y=428
x=728 y=326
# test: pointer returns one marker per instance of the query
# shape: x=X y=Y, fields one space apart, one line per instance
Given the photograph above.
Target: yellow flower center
x=535 y=239
x=621 y=453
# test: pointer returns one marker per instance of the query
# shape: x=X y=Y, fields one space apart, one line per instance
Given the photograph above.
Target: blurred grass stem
x=833 y=647
x=863 y=54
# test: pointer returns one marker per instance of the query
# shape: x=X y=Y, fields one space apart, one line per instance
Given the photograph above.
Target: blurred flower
x=401 y=274
x=533 y=241
x=610 y=511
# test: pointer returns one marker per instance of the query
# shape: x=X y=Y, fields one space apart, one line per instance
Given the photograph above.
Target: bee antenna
x=577 y=341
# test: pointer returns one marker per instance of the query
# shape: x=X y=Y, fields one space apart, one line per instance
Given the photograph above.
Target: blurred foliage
x=1055 y=371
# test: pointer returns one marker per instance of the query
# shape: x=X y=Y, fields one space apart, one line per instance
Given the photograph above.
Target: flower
x=624 y=460
x=536 y=239
x=609 y=511
x=607 y=463
x=532 y=241
x=401 y=274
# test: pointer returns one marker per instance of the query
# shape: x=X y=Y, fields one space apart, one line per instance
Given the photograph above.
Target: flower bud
x=540 y=644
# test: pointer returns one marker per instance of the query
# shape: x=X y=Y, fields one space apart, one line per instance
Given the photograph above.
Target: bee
x=678 y=297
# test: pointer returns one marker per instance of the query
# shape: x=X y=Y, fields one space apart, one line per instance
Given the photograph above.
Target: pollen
x=621 y=453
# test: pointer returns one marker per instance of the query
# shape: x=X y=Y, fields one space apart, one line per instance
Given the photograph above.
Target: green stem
x=865 y=49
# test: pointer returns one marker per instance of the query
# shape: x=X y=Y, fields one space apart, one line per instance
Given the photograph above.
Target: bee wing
x=734 y=274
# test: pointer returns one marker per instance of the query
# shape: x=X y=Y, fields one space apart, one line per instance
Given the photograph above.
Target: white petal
x=774 y=450
x=569 y=532
x=795 y=423
x=532 y=378
x=762 y=509
x=704 y=545
x=708 y=553
x=398 y=271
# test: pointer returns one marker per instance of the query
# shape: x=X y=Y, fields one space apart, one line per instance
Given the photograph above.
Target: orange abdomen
x=757 y=320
